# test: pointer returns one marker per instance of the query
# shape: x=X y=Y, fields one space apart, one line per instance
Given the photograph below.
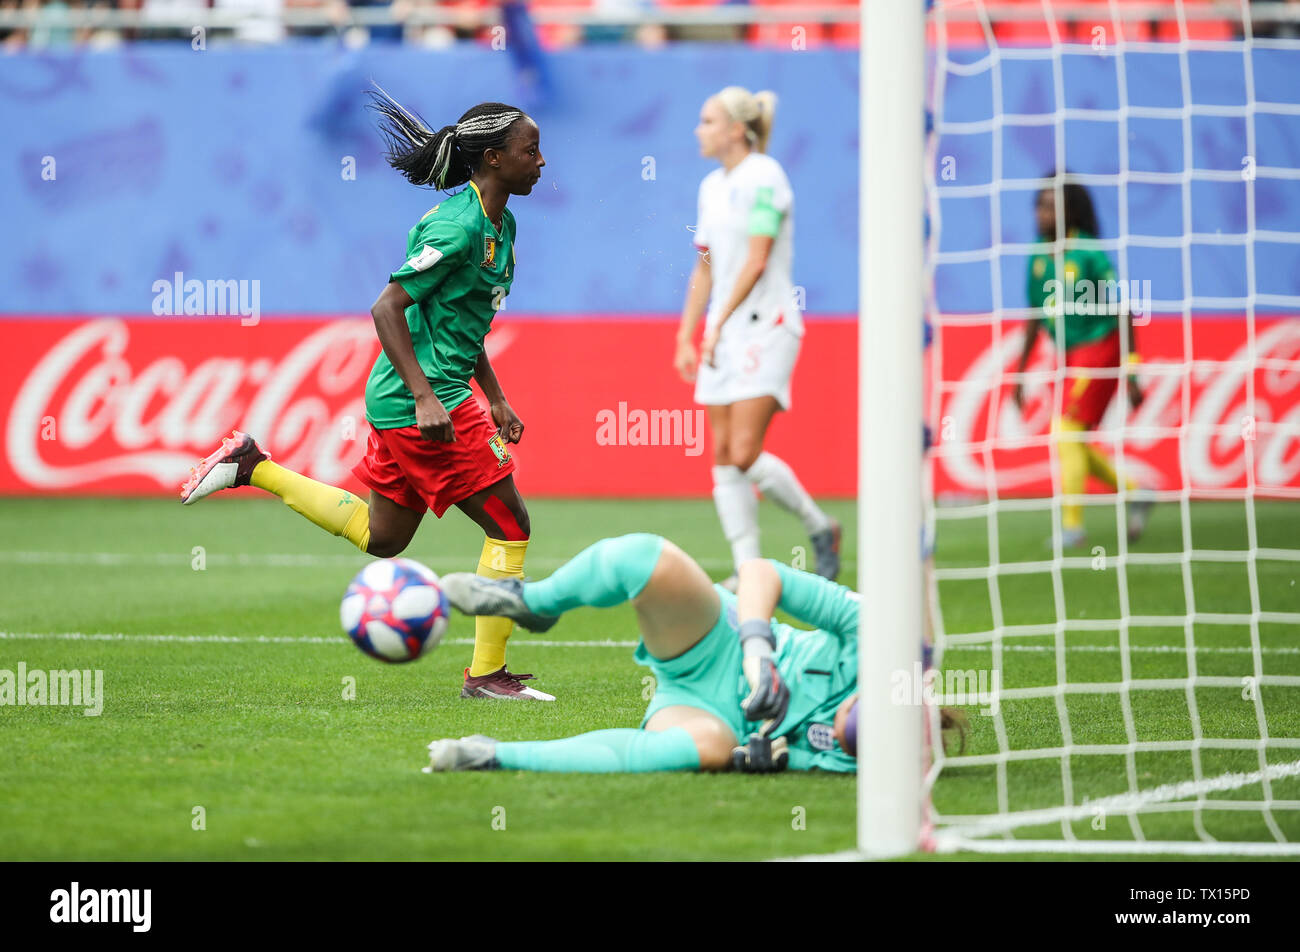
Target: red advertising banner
x=126 y=406
x=1197 y=427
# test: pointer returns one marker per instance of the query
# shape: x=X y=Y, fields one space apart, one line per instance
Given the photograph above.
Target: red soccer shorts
x=1086 y=397
x=414 y=472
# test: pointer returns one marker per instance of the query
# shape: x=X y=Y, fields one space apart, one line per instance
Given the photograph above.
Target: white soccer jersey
x=727 y=204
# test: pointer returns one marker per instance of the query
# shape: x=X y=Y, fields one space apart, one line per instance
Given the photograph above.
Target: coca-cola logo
x=90 y=410
x=1235 y=411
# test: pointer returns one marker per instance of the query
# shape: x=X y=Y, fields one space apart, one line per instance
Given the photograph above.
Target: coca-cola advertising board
x=1218 y=415
x=111 y=406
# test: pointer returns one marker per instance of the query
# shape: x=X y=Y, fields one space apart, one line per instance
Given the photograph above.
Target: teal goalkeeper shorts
x=708 y=676
x=820 y=668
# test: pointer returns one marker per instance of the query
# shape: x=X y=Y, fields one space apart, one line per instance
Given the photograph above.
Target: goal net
x=1115 y=588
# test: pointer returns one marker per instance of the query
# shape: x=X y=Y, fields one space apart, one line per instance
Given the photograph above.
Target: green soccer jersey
x=458 y=271
x=820 y=666
x=1083 y=304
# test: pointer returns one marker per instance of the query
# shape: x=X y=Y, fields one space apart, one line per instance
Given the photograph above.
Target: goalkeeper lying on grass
x=735 y=689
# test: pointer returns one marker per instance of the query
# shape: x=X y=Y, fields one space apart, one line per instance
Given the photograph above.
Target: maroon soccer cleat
x=502 y=685
x=231 y=465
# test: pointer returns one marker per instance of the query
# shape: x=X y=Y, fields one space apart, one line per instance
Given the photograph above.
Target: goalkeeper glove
x=761 y=755
x=769 y=696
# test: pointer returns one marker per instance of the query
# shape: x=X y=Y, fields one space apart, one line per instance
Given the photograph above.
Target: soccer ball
x=394 y=610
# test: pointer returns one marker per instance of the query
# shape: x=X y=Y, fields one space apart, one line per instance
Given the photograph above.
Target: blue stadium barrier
x=233 y=163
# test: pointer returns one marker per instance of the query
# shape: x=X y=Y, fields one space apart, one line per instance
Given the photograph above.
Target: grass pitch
x=227 y=731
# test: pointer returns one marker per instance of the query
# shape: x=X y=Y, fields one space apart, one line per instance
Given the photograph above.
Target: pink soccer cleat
x=502 y=685
x=231 y=465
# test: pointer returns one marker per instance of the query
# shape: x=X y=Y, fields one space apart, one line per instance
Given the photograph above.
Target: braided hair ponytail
x=448 y=157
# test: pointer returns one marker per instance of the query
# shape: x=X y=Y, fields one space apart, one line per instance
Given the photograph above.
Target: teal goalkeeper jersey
x=819 y=666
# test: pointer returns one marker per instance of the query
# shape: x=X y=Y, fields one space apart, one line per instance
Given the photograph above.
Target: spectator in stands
x=163 y=19
x=392 y=33
x=12 y=39
x=261 y=21
x=53 y=27
x=643 y=34
x=1278 y=29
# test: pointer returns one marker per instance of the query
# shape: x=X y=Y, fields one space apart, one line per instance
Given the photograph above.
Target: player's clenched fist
x=511 y=427
x=432 y=419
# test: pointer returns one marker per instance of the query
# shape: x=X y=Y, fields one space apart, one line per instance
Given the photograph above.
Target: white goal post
x=891 y=191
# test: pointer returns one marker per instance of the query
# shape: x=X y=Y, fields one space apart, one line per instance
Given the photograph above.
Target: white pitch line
x=1139 y=649
x=276 y=640
x=1130 y=847
x=267 y=559
x=951 y=837
x=547 y=643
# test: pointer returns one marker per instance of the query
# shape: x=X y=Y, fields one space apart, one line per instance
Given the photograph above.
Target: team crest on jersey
x=499 y=449
x=1040 y=266
x=821 y=736
x=489 y=252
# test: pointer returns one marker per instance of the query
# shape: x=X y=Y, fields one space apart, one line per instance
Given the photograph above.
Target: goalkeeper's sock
x=500 y=559
x=622 y=750
x=1074 y=472
x=1101 y=466
x=777 y=481
x=737 y=511
x=606 y=573
x=335 y=510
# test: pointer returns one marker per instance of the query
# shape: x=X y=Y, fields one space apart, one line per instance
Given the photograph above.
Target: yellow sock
x=1074 y=472
x=1100 y=465
x=335 y=510
x=500 y=559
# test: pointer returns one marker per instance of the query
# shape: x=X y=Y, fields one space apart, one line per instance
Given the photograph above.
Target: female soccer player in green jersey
x=431 y=445
x=734 y=688
x=1085 y=316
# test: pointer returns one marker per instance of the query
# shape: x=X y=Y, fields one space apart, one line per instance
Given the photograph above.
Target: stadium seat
x=554 y=36
x=783 y=34
x=965 y=33
x=702 y=33
x=1134 y=30
x=1032 y=32
x=847 y=34
x=1169 y=30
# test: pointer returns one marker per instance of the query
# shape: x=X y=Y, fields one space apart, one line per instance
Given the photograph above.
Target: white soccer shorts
x=748 y=364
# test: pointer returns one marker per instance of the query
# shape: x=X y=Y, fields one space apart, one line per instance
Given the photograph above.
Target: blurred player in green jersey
x=431 y=444
x=1084 y=314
